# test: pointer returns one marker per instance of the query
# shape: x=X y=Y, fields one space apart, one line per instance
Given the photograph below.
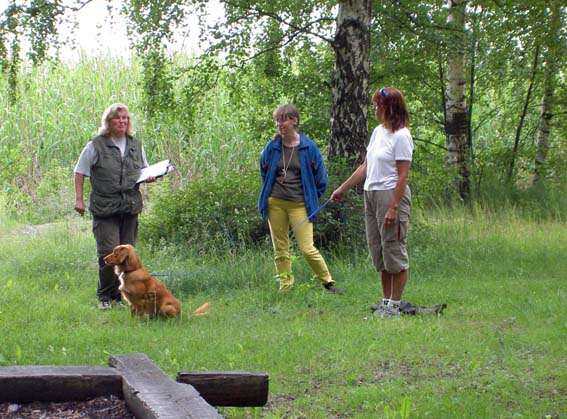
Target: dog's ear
x=126 y=263
x=122 y=254
x=131 y=260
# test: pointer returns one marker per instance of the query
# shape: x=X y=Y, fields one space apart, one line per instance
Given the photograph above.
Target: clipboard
x=155 y=170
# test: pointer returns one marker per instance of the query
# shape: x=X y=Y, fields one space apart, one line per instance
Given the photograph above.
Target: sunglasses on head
x=383 y=92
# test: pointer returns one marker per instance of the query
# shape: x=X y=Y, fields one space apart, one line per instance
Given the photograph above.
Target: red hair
x=392 y=102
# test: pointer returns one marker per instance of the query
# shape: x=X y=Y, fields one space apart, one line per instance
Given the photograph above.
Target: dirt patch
x=98 y=408
x=71 y=227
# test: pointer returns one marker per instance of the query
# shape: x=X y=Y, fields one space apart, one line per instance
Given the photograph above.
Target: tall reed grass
x=59 y=111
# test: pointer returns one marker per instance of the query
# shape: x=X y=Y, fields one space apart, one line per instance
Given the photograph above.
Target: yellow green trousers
x=282 y=215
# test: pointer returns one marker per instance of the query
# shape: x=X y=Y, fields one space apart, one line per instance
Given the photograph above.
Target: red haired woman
x=387 y=196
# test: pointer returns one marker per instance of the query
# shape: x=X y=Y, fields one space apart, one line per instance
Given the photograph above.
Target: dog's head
x=124 y=256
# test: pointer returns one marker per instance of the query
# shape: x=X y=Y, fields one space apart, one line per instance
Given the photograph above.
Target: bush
x=221 y=212
x=215 y=212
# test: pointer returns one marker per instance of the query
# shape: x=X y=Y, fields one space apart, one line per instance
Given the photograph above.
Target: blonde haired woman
x=112 y=161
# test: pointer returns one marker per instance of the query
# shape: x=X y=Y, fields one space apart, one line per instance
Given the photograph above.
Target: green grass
x=498 y=352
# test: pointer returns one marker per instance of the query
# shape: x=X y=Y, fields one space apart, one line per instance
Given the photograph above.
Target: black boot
x=329 y=286
x=107 y=282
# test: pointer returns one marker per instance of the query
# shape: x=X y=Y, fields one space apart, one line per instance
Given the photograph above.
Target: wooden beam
x=152 y=394
x=229 y=388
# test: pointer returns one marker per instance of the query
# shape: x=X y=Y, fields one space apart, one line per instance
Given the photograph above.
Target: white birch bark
x=456 y=117
x=349 y=86
x=547 y=103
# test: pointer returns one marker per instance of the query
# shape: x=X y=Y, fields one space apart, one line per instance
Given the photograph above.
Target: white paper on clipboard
x=155 y=170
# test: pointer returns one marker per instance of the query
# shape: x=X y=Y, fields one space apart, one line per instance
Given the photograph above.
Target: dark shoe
x=335 y=290
x=104 y=305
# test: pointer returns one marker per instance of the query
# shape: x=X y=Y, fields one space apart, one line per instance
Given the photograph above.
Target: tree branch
x=298 y=29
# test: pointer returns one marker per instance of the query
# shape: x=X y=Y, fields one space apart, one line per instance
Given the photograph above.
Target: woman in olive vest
x=113 y=161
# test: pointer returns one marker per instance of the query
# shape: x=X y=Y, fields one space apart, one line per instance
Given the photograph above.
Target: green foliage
x=13 y=157
x=13 y=69
x=219 y=212
x=157 y=84
x=212 y=116
x=403 y=413
x=54 y=187
x=6 y=221
x=41 y=21
x=200 y=84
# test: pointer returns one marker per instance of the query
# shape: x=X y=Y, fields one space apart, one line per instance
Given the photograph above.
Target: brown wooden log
x=25 y=384
x=229 y=388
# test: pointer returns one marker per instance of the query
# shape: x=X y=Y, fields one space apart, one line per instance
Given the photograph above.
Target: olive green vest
x=113 y=181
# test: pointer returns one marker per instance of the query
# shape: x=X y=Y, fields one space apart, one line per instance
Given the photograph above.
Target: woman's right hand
x=357 y=176
x=337 y=195
x=80 y=206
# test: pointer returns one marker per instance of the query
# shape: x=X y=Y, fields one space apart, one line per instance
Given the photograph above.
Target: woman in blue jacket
x=293 y=179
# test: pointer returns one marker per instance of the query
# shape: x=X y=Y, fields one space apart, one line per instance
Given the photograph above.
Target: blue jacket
x=313 y=173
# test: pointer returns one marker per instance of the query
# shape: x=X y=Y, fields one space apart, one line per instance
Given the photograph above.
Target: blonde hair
x=110 y=113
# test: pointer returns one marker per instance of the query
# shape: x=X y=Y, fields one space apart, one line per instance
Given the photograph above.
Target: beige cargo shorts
x=387 y=244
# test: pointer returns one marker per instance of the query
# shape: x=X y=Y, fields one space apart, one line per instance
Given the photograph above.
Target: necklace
x=285 y=167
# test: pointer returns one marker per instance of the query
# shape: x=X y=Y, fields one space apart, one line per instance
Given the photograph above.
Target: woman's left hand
x=151 y=179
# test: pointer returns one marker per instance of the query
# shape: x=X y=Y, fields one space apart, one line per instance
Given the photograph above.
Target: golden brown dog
x=145 y=294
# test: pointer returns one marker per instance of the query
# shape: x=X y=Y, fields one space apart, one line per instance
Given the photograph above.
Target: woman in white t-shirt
x=387 y=196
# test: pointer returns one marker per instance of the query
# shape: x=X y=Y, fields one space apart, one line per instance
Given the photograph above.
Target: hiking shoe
x=104 y=305
x=378 y=308
x=390 y=312
x=335 y=290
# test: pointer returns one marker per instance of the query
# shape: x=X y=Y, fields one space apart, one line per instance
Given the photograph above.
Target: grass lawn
x=500 y=350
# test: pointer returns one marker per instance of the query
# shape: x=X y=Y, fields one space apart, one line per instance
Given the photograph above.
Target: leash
x=312 y=215
x=171 y=275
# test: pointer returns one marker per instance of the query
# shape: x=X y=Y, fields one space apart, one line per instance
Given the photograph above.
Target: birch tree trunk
x=456 y=116
x=547 y=104
x=349 y=86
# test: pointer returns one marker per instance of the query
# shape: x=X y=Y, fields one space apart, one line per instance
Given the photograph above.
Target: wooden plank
x=151 y=394
x=229 y=388
x=25 y=384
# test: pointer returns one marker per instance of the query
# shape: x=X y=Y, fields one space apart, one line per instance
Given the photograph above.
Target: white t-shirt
x=385 y=148
x=87 y=157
